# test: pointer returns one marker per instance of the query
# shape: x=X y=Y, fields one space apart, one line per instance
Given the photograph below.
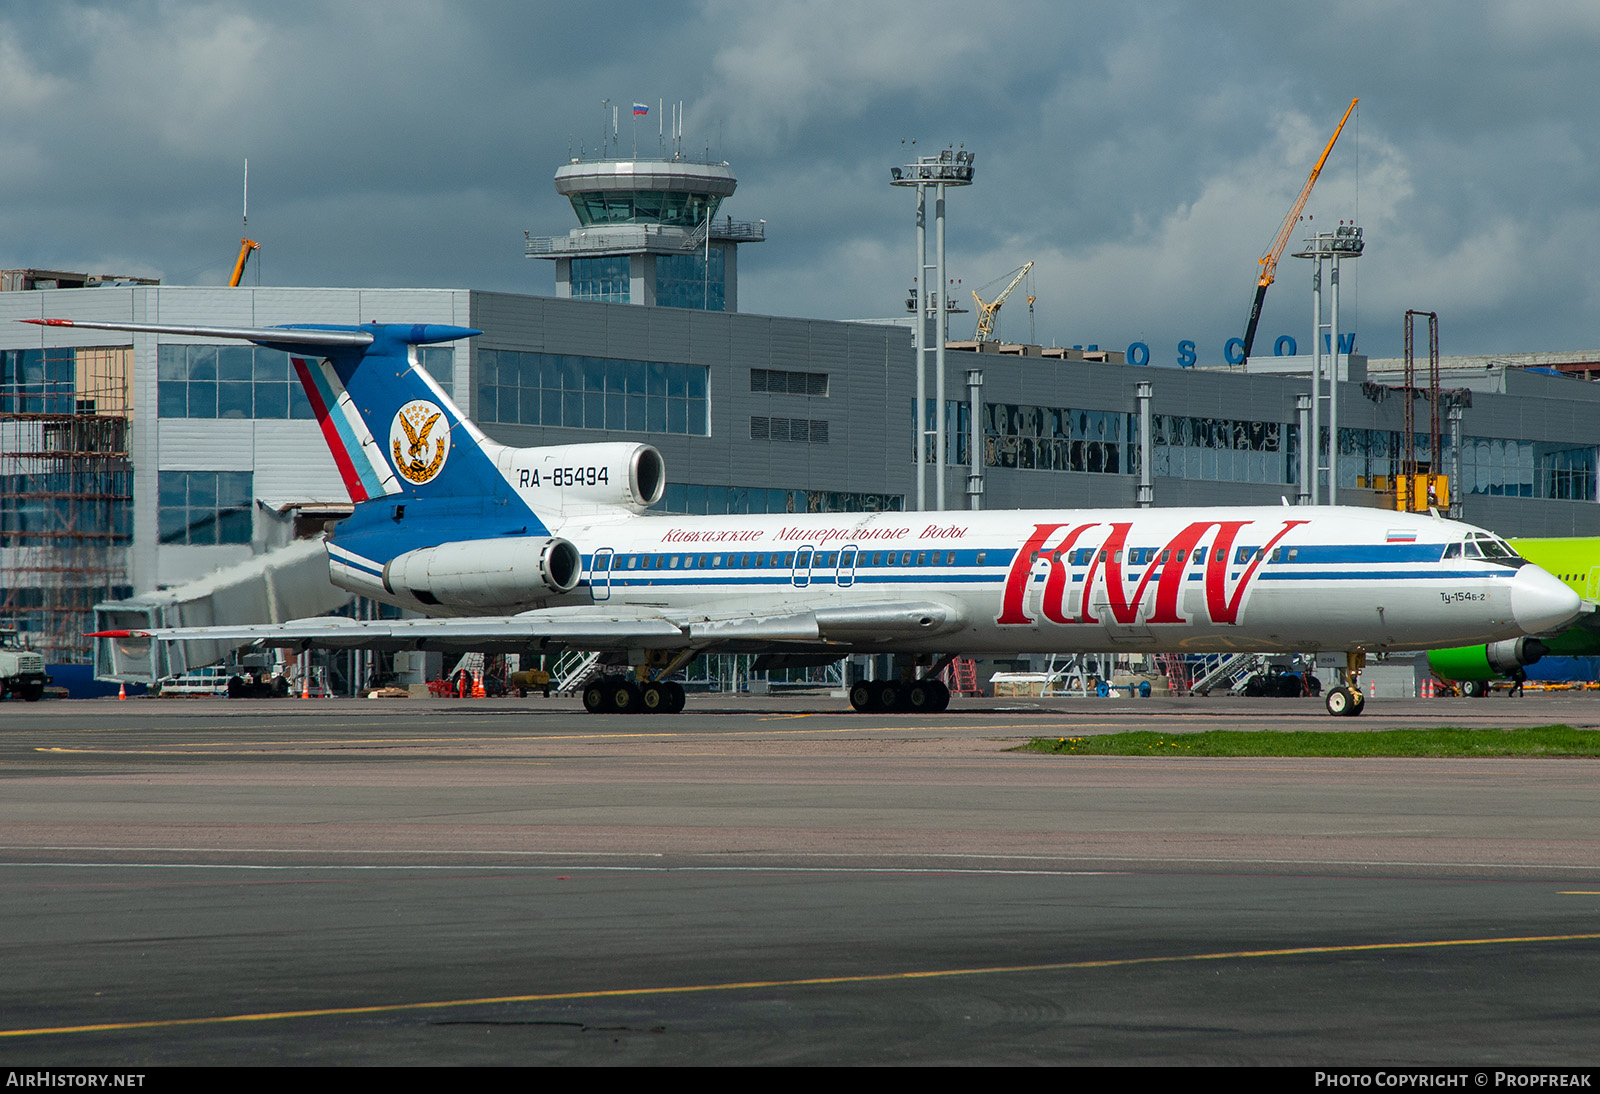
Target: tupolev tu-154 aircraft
x=536 y=550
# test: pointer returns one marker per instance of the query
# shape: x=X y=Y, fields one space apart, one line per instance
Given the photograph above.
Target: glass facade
x=692 y=499
x=60 y=505
x=687 y=281
x=1219 y=449
x=592 y=393
x=1527 y=469
x=37 y=381
x=251 y=381
x=205 y=508
x=674 y=208
x=1050 y=438
x=227 y=382
x=606 y=278
x=440 y=363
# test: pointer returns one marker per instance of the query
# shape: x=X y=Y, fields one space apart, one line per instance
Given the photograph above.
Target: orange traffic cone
x=477 y=686
x=122 y=691
x=305 y=686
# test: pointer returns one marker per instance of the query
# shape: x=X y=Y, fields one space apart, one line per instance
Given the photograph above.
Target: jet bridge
x=289 y=582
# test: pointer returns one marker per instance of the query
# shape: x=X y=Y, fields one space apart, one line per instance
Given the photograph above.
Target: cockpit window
x=1490 y=548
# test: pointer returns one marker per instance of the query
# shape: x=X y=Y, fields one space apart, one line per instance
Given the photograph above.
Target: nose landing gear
x=1347 y=700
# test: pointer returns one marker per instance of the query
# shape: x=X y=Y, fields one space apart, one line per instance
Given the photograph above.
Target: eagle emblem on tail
x=419 y=455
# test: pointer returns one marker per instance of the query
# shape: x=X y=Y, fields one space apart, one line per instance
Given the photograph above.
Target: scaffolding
x=66 y=492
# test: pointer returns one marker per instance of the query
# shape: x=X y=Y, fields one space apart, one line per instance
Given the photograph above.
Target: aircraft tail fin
x=392 y=431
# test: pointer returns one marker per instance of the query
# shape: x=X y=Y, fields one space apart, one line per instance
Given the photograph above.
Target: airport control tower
x=648 y=234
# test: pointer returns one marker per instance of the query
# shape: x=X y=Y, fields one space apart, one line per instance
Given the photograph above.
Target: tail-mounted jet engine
x=504 y=575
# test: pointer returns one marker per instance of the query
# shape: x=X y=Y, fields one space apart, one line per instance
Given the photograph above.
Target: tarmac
x=771 y=880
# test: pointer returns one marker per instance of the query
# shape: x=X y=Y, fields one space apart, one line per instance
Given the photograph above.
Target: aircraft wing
x=586 y=628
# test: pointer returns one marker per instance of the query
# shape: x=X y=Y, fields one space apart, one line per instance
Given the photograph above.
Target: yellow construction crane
x=1269 y=261
x=245 y=247
x=988 y=311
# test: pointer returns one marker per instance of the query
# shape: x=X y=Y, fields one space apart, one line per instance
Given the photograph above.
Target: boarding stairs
x=1176 y=669
x=1228 y=669
x=961 y=676
x=573 y=670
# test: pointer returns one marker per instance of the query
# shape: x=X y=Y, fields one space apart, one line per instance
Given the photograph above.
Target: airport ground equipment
x=21 y=669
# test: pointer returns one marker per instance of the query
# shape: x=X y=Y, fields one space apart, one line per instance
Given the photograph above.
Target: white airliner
x=537 y=550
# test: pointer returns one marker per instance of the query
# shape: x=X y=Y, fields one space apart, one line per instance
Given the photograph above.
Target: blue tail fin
x=392 y=431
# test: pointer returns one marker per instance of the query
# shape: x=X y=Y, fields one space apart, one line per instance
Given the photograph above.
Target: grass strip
x=1558 y=740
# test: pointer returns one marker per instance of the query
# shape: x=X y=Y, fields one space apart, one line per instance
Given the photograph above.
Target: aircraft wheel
x=594 y=696
x=623 y=697
x=941 y=696
x=861 y=696
x=652 y=698
x=1338 y=701
x=919 y=697
x=887 y=695
x=1474 y=689
x=1358 y=701
x=676 y=697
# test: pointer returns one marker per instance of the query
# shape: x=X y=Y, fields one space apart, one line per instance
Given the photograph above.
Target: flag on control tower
x=640 y=108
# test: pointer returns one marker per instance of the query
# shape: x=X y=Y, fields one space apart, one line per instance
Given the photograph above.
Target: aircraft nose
x=1541 y=603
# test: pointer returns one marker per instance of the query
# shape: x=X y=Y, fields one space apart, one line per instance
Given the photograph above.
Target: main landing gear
x=620 y=695
x=1346 y=700
x=885 y=696
x=910 y=694
x=638 y=693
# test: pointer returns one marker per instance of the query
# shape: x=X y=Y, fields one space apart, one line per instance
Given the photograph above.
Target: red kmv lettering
x=1021 y=574
x=1106 y=565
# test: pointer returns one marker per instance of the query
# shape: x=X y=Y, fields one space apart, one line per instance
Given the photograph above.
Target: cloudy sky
x=1142 y=154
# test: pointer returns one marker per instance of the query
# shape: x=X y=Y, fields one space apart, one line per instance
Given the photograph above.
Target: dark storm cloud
x=1143 y=155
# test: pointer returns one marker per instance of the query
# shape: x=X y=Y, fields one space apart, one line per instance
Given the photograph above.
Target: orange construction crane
x=987 y=311
x=1269 y=261
x=245 y=247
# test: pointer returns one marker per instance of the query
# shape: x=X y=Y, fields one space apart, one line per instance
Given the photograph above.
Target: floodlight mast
x=951 y=167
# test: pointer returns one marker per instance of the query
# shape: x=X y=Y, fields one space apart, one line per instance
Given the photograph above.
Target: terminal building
x=133 y=464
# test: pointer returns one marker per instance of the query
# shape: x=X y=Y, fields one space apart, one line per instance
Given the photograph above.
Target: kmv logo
x=1202 y=547
x=420 y=441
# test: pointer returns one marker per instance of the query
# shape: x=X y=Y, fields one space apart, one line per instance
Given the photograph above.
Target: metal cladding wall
x=867 y=407
x=1505 y=403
